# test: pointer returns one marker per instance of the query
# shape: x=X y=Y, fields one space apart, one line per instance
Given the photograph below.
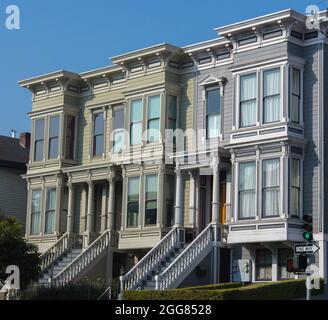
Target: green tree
x=14 y=250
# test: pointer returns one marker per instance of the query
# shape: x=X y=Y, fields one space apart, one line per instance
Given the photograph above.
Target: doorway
x=225 y=265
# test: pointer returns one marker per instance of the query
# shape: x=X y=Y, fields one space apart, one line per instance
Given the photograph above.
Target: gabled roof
x=12 y=153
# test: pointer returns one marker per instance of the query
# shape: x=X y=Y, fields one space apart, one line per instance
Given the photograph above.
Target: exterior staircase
x=171 y=261
x=71 y=263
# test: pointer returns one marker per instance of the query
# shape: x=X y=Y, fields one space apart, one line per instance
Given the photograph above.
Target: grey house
x=14 y=155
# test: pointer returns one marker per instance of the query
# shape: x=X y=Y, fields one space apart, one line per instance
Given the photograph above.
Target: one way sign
x=306 y=248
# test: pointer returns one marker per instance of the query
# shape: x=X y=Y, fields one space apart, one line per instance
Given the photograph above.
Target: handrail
x=61 y=246
x=83 y=260
x=108 y=289
x=185 y=259
x=132 y=279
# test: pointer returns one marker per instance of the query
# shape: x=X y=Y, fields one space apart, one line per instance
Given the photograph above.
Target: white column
x=178 y=219
x=111 y=204
x=192 y=200
x=103 y=209
x=323 y=259
x=90 y=213
x=70 y=213
x=216 y=195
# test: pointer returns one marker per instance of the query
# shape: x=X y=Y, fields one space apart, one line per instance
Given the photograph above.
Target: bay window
x=271 y=187
x=53 y=137
x=118 y=130
x=39 y=140
x=213 y=113
x=98 y=134
x=295 y=96
x=151 y=200
x=133 y=202
x=295 y=187
x=271 y=95
x=50 y=211
x=35 y=212
x=247 y=190
x=70 y=137
x=248 y=100
x=154 y=111
x=136 y=113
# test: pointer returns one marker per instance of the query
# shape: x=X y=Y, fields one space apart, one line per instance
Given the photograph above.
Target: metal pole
x=308 y=282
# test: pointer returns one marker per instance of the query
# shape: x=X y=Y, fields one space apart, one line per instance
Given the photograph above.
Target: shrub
x=280 y=290
x=215 y=286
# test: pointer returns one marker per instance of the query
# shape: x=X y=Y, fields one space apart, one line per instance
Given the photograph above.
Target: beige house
x=221 y=198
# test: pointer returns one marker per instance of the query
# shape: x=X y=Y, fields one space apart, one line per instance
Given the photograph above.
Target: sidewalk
x=321 y=296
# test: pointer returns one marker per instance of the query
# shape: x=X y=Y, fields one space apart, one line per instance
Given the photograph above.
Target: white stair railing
x=193 y=253
x=62 y=245
x=132 y=280
x=82 y=261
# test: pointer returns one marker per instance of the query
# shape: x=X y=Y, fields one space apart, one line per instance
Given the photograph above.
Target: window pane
x=172 y=107
x=98 y=145
x=248 y=87
x=271 y=82
x=213 y=125
x=35 y=212
x=151 y=187
x=39 y=129
x=53 y=148
x=247 y=192
x=36 y=199
x=295 y=109
x=248 y=113
x=296 y=82
x=54 y=127
x=119 y=119
x=151 y=213
x=98 y=124
x=213 y=101
x=153 y=130
x=51 y=199
x=295 y=187
x=35 y=223
x=132 y=214
x=38 y=150
x=154 y=105
x=271 y=187
x=133 y=189
x=136 y=133
x=136 y=110
x=118 y=138
x=50 y=222
x=263 y=265
x=295 y=170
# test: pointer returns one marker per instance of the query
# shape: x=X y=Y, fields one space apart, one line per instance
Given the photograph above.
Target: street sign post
x=305 y=248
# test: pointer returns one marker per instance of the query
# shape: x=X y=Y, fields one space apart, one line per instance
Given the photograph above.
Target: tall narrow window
x=136 y=122
x=170 y=192
x=98 y=134
x=70 y=137
x=154 y=111
x=295 y=187
x=248 y=105
x=151 y=201
x=271 y=97
x=118 y=133
x=50 y=211
x=39 y=140
x=283 y=255
x=53 y=137
x=271 y=188
x=263 y=265
x=35 y=212
x=296 y=96
x=247 y=190
x=172 y=112
x=213 y=113
x=133 y=202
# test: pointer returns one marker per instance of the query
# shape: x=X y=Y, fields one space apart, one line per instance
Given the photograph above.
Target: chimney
x=13 y=134
x=25 y=139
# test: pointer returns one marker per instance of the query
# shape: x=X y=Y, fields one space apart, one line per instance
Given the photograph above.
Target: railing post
x=157 y=282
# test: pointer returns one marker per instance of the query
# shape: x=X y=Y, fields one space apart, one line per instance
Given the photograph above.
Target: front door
x=225 y=265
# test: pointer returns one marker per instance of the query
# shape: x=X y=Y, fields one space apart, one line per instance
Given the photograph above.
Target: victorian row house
x=183 y=165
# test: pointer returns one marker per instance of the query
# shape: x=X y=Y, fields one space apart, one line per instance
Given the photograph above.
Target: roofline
x=99 y=71
x=205 y=45
x=144 y=51
x=287 y=13
x=48 y=77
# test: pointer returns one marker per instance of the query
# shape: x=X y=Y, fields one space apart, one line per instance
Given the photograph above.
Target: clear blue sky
x=82 y=35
